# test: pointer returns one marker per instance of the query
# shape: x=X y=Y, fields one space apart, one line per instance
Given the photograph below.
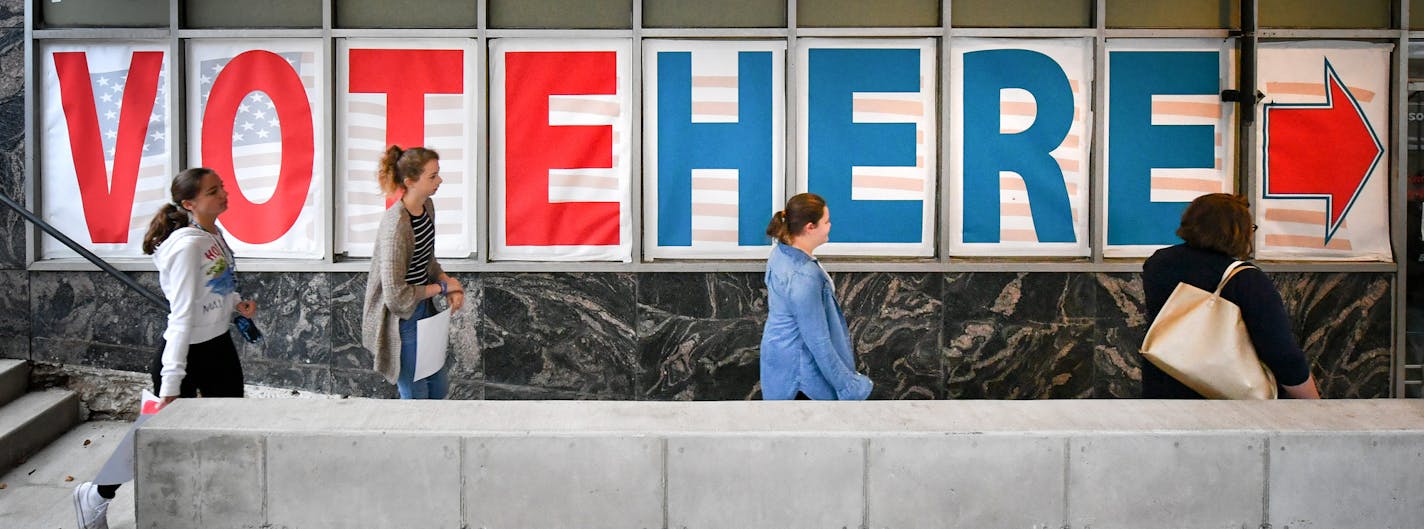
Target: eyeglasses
x=1254 y=227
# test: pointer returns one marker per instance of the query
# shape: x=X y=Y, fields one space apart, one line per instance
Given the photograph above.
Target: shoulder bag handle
x=1229 y=273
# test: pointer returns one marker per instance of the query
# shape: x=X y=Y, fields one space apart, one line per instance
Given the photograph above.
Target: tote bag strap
x=1228 y=274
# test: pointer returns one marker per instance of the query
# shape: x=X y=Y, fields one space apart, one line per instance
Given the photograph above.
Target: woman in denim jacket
x=805 y=346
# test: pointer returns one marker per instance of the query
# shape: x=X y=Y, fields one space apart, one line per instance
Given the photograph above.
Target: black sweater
x=1250 y=289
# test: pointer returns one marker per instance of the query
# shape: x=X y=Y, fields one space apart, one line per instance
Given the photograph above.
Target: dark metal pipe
x=1248 y=63
x=102 y=264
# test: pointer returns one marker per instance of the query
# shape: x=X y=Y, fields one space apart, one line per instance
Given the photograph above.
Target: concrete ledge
x=1023 y=464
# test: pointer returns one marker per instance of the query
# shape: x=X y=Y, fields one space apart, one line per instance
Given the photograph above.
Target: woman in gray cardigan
x=404 y=273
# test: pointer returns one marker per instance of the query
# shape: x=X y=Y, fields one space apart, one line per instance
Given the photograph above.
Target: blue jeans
x=435 y=386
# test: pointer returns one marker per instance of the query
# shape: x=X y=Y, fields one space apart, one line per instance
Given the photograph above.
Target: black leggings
x=213 y=371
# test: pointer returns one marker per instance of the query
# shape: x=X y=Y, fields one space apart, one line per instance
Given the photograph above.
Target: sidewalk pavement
x=36 y=493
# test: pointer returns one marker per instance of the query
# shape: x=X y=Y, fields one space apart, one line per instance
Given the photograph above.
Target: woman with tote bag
x=1217 y=231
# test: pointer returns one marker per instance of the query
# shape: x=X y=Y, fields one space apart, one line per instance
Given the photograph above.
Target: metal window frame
x=945 y=34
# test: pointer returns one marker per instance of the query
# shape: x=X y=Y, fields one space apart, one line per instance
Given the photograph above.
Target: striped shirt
x=418 y=273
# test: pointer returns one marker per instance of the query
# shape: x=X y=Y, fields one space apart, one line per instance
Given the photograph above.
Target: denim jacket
x=805 y=345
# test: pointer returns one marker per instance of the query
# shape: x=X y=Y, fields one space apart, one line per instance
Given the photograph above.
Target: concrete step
x=14 y=379
x=38 y=493
x=34 y=420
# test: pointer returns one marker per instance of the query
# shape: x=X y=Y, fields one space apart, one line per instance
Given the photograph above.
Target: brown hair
x=802 y=209
x=397 y=165
x=1220 y=222
x=172 y=215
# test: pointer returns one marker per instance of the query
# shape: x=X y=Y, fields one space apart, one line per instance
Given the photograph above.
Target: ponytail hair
x=397 y=165
x=802 y=209
x=172 y=216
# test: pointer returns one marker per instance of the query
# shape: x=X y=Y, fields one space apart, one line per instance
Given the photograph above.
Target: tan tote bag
x=1199 y=339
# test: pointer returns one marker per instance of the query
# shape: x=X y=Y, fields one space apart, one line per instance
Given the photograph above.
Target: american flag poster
x=407 y=92
x=105 y=154
x=867 y=143
x=560 y=174
x=1019 y=171
x=254 y=110
x=1175 y=148
x=1322 y=184
x=714 y=162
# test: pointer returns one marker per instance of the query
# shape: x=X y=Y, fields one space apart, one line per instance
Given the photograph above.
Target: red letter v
x=107 y=206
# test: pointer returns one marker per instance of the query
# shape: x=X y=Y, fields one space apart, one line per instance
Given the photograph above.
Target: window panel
x=565 y=14
x=859 y=13
x=406 y=14
x=1325 y=13
x=1022 y=13
x=103 y=13
x=1225 y=14
x=725 y=14
x=204 y=14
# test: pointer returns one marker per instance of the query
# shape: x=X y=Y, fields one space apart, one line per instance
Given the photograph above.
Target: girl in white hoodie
x=197 y=274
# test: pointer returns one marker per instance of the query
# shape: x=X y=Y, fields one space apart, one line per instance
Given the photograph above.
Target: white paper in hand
x=120 y=467
x=432 y=339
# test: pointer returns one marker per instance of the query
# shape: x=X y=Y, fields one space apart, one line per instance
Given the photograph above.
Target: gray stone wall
x=14 y=283
x=695 y=336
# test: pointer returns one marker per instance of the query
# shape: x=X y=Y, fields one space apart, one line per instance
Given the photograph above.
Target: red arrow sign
x=1324 y=151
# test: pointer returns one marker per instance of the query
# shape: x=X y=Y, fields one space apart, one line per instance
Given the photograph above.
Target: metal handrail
x=84 y=252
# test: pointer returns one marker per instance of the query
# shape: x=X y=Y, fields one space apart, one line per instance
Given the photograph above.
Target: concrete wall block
x=203 y=479
x=595 y=482
x=765 y=482
x=980 y=481
x=1177 y=479
x=1374 y=480
x=361 y=480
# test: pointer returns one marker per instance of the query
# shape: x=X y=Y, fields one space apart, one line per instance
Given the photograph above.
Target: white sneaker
x=93 y=510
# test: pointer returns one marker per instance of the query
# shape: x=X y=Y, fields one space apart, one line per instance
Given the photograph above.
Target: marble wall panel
x=349 y=356
x=699 y=335
x=466 y=389
x=696 y=336
x=363 y=382
x=1020 y=296
x=12 y=136
x=348 y=294
x=544 y=335
x=12 y=13
x=502 y=391
x=1020 y=361
x=348 y=301
x=895 y=328
x=14 y=314
x=294 y=313
x=1121 y=326
x=90 y=318
x=285 y=374
x=1342 y=322
x=1019 y=335
x=464 y=354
